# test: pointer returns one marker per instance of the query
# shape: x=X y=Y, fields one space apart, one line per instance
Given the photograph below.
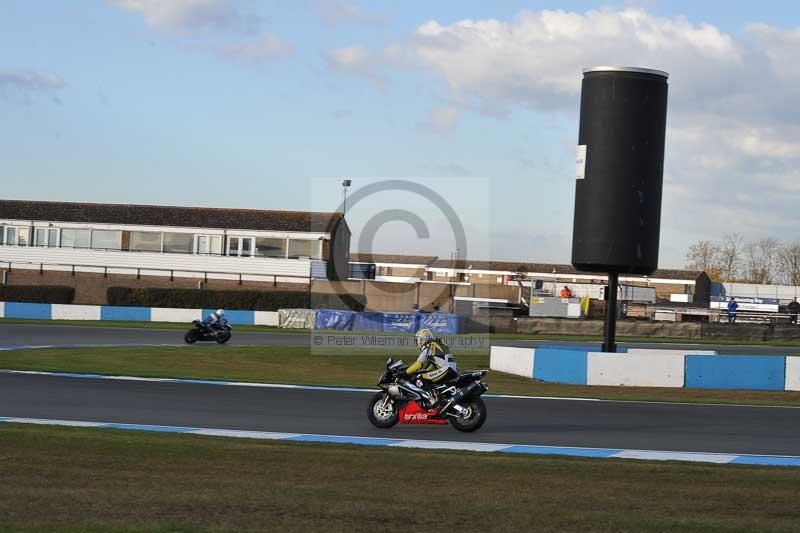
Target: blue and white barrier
x=649 y=368
x=138 y=314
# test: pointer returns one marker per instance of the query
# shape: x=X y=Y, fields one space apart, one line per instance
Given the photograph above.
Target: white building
x=287 y=246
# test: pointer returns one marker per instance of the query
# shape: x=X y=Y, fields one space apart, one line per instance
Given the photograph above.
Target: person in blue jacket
x=733 y=308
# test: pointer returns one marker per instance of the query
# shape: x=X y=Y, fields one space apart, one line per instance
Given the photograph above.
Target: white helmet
x=423 y=337
x=219 y=312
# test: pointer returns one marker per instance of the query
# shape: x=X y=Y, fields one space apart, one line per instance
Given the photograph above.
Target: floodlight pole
x=345 y=184
x=610 y=330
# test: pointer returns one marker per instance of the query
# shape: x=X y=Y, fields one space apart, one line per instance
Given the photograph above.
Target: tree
x=789 y=263
x=761 y=259
x=705 y=256
x=730 y=256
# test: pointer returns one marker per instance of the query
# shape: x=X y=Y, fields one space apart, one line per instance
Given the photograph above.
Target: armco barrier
x=636 y=368
x=2 y=309
x=560 y=366
x=29 y=311
x=517 y=361
x=757 y=372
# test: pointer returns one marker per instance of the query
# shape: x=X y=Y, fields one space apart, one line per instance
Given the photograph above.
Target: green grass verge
x=77 y=479
x=493 y=336
x=352 y=367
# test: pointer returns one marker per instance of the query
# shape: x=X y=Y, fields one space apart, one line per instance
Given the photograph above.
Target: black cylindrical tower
x=620 y=168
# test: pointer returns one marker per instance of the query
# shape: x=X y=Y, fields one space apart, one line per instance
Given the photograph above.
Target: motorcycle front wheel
x=382 y=412
x=190 y=337
x=223 y=337
x=473 y=419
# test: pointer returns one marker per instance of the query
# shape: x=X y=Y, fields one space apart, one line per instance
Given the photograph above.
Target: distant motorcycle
x=459 y=401
x=201 y=332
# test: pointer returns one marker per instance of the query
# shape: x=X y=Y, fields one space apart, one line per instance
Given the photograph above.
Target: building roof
x=549 y=268
x=397 y=259
x=157 y=215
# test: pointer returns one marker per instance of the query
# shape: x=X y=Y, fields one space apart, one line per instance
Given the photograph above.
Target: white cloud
x=733 y=113
x=29 y=80
x=175 y=15
x=334 y=13
x=264 y=48
x=357 y=60
x=443 y=118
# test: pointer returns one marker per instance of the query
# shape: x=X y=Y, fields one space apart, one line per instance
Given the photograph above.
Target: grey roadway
x=29 y=334
x=626 y=425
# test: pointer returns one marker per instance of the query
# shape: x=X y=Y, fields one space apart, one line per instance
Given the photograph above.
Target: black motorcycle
x=201 y=332
x=458 y=400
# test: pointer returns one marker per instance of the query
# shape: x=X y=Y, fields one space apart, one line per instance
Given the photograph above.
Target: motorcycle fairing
x=413 y=413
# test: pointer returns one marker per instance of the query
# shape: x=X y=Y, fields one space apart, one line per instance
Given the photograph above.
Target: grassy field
x=356 y=367
x=77 y=479
x=791 y=343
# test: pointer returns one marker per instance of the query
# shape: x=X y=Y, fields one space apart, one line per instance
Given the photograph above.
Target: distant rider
x=434 y=364
x=215 y=320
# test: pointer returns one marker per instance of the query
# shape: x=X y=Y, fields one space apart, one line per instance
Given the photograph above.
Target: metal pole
x=609 y=344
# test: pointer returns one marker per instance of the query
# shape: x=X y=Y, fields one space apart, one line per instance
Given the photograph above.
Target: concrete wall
x=75 y=312
x=792 y=373
x=517 y=361
x=642 y=369
x=650 y=368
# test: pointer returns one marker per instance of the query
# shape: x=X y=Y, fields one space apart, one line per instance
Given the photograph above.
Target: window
x=271 y=247
x=76 y=238
x=209 y=245
x=145 y=241
x=240 y=246
x=46 y=237
x=17 y=236
x=2 y=234
x=178 y=243
x=106 y=240
x=303 y=248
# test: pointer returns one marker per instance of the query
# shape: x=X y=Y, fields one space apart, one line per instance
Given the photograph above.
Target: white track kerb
x=525 y=449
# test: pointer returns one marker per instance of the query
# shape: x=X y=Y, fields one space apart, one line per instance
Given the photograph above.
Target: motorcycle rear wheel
x=190 y=337
x=382 y=414
x=474 y=419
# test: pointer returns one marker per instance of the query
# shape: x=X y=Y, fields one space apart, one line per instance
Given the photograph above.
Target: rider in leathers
x=434 y=364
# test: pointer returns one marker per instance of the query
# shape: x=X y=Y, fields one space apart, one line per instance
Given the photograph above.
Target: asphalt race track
x=646 y=426
x=47 y=335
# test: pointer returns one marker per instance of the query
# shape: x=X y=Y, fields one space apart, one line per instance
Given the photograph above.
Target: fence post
x=105 y=272
x=41 y=269
x=73 y=271
x=240 y=278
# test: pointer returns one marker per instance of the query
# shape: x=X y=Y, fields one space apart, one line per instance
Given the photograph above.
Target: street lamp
x=345 y=184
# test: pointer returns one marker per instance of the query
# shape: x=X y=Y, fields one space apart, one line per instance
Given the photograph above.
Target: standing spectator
x=566 y=293
x=733 y=308
x=794 y=309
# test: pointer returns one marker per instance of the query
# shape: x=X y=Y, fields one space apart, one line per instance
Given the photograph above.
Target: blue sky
x=269 y=104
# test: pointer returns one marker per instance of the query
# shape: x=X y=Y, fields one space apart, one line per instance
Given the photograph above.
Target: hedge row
x=247 y=300
x=43 y=294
